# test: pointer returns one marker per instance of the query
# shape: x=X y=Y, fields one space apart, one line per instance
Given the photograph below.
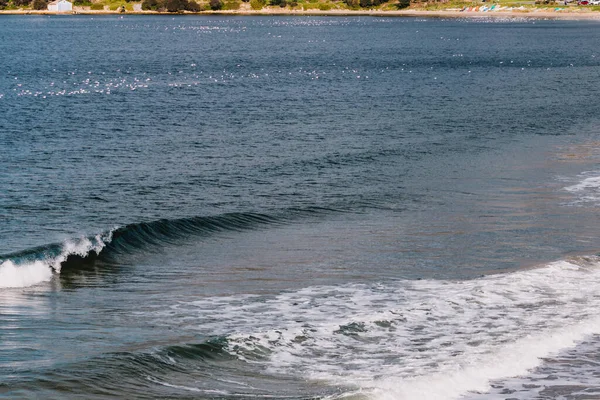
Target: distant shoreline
x=564 y=14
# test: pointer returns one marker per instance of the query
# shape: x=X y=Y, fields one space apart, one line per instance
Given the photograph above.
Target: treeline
x=282 y=3
x=35 y=4
x=354 y=4
x=191 y=5
x=178 y=5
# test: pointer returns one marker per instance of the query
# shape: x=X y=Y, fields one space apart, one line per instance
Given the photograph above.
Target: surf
x=40 y=264
x=409 y=339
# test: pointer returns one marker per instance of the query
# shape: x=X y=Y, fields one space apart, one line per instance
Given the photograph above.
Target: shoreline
x=563 y=14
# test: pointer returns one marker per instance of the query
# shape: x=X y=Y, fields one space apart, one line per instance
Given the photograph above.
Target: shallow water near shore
x=298 y=207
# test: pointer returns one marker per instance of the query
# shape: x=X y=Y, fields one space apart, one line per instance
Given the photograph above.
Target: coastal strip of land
x=548 y=13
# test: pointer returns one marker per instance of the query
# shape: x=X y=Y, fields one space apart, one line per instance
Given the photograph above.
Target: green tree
x=40 y=4
x=21 y=3
x=257 y=4
x=176 y=5
x=215 y=5
x=193 y=6
x=150 y=5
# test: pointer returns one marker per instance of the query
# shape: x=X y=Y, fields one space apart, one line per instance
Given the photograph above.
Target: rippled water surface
x=299 y=207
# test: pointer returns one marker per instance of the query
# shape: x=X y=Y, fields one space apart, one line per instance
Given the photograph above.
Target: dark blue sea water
x=299 y=208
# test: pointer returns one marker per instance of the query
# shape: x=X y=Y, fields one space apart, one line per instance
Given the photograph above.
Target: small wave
x=163 y=232
x=587 y=190
x=409 y=339
x=23 y=269
x=514 y=359
x=588 y=183
x=40 y=264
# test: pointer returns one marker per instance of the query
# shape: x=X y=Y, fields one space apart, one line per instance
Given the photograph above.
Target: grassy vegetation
x=316 y=6
x=232 y=5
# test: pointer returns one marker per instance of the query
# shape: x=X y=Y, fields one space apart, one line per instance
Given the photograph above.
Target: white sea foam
x=513 y=359
x=409 y=339
x=18 y=275
x=588 y=183
x=12 y=276
x=588 y=189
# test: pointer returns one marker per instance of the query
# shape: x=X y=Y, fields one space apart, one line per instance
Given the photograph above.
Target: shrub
x=175 y=5
x=215 y=5
x=3 y=4
x=193 y=6
x=403 y=4
x=257 y=4
x=40 y=4
x=324 y=6
x=232 y=5
x=149 y=5
x=369 y=3
x=97 y=7
x=21 y=3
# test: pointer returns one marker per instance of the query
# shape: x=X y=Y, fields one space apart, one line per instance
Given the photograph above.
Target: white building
x=60 y=6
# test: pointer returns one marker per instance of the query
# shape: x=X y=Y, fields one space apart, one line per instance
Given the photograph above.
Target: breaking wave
x=424 y=339
x=410 y=339
x=40 y=264
x=587 y=190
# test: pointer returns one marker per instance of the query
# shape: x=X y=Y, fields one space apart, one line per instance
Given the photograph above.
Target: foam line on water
x=408 y=339
x=511 y=360
x=587 y=183
x=587 y=190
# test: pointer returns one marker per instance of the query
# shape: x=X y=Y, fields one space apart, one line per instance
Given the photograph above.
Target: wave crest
x=40 y=264
x=24 y=270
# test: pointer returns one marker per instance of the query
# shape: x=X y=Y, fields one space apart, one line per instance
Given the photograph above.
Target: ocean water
x=299 y=208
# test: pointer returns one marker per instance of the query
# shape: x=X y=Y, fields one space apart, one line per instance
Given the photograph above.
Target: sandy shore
x=549 y=13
